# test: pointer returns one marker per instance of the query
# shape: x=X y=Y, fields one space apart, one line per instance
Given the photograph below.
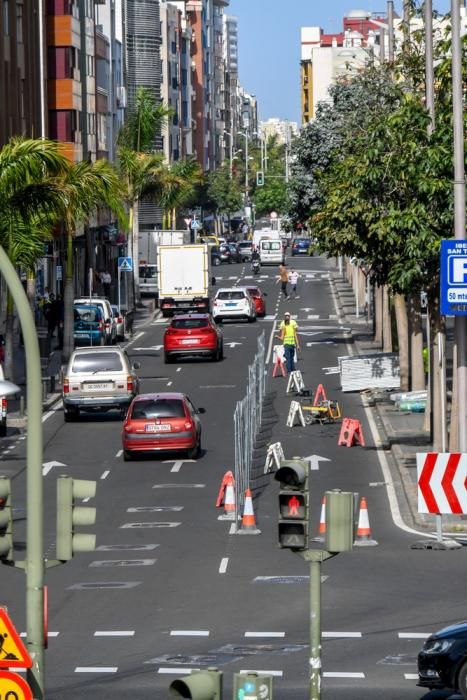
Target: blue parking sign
x=453 y=269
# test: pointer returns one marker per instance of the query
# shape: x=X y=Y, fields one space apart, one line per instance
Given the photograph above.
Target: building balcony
x=63 y=30
x=64 y=94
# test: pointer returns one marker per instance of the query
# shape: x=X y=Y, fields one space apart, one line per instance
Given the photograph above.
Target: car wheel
x=3 y=428
x=221 y=352
x=462 y=681
x=71 y=415
x=167 y=358
x=127 y=456
x=195 y=451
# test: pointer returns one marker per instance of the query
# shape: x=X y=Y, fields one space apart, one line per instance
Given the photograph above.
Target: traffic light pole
x=316 y=558
x=34 y=564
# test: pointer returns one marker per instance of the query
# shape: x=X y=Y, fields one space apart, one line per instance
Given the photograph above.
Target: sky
x=269 y=44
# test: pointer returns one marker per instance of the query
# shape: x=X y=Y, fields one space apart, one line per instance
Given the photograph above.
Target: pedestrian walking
x=293 y=279
x=107 y=281
x=289 y=336
x=52 y=313
x=283 y=278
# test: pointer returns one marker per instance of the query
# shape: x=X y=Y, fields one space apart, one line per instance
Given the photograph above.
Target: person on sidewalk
x=289 y=337
x=283 y=278
x=293 y=279
x=107 y=281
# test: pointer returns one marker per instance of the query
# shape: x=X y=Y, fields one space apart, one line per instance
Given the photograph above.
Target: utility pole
x=382 y=52
x=287 y=146
x=390 y=31
x=459 y=213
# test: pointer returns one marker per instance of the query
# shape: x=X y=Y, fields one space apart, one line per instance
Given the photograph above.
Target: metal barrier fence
x=247 y=422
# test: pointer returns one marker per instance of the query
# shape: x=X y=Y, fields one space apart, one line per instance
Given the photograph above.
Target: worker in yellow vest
x=288 y=334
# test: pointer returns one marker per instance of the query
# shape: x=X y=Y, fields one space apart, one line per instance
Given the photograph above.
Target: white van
x=271 y=252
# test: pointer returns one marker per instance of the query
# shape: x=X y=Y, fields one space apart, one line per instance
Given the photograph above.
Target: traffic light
x=293 y=503
x=6 y=520
x=69 y=515
x=199 y=685
x=339 y=521
x=250 y=685
x=260 y=178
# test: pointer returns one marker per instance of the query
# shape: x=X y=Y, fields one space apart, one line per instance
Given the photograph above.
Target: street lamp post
x=34 y=564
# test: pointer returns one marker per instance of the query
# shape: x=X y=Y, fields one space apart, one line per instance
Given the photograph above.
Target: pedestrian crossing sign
x=13 y=653
x=125 y=264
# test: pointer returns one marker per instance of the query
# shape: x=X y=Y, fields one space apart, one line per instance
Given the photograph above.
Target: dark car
x=442 y=663
x=300 y=246
x=224 y=251
x=234 y=253
x=215 y=255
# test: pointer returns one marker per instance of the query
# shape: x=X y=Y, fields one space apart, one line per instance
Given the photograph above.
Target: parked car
x=233 y=302
x=224 y=251
x=216 y=258
x=3 y=408
x=110 y=325
x=119 y=322
x=160 y=422
x=98 y=379
x=442 y=662
x=235 y=255
x=258 y=298
x=193 y=335
x=89 y=326
x=245 y=249
x=300 y=246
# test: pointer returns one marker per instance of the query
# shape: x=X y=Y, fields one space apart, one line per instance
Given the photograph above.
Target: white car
x=233 y=302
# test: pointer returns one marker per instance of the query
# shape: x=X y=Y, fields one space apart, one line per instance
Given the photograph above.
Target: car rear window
x=88 y=363
x=147 y=272
x=254 y=292
x=245 y=245
x=159 y=408
x=87 y=313
x=182 y=323
x=231 y=295
x=301 y=241
x=271 y=245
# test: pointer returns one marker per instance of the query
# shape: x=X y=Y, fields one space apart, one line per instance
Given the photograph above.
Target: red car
x=160 y=422
x=260 y=302
x=193 y=334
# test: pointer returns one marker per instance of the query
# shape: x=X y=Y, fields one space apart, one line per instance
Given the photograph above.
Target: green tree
x=224 y=191
x=30 y=202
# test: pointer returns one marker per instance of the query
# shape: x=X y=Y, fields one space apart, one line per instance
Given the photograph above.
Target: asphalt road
x=169 y=589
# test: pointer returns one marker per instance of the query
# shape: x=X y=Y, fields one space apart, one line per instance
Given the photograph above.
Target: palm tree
x=30 y=202
x=85 y=187
x=178 y=185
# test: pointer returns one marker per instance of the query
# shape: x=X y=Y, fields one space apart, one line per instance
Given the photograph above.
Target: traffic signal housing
x=260 y=178
x=6 y=521
x=251 y=685
x=292 y=476
x=199 y=685
x=69 y=515
x=340 y=507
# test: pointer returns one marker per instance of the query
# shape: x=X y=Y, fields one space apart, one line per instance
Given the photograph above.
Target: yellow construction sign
x=13 y=653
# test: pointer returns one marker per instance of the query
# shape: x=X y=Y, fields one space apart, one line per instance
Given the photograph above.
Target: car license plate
x=189 y=341
x=157 y=428
x=98 y=386
x=232 y=303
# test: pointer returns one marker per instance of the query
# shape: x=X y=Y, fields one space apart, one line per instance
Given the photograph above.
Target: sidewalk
x=51 y=374
x=401 y=433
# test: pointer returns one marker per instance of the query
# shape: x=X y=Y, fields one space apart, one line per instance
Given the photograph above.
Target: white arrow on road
x=152 y=347
x=320 y=342
x=306 y=308
x=232 y=345
x=314 y=461
x=177 y=465
x=47 y=466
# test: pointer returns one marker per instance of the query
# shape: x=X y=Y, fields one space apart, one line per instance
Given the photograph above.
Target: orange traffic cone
x=248 y=520
x=322 y=522
x=363 y=537
x=227 y=497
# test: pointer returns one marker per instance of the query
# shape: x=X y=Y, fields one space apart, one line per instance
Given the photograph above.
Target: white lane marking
x=179 y=369
x=312 y=317
x=119 y=453
x=169 y=383
x=114 y=633
x=49 y=634
x=263 y=673
x=265 y=634
x=383 y=462
x=178 y=464
x=178 y=671
x=412 y=677
x=11 y=447
x=189 y=633
x=337 y=635
x=105 y=474
x=340 y=674
x=179 y=486
x=133 y=340
x=96 y=669
x=223 y=565
x=53 y=410
x=85 y=500
x=414 y=635
x=23 y=437
x=233 y=529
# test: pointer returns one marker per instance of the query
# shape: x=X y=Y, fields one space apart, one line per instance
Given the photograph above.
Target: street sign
x=13 y=653
x=125 y=264
x=13 y=687
x=453 y=267
x=195 y=225
x=442 y=483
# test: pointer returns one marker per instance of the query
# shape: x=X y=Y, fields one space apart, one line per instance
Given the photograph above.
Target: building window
x=6 y=24
x=61 y=62
x=19 y=23
x=62 y=125
x=60 y=7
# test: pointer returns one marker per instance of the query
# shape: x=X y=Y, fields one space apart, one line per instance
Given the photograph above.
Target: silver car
x=119 y=321
x=98 y=379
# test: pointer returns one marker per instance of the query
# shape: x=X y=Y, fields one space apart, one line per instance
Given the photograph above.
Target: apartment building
x=283 y=130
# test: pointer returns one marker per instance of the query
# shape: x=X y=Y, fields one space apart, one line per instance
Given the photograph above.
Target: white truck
x=184 y=278
x=147 y=253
